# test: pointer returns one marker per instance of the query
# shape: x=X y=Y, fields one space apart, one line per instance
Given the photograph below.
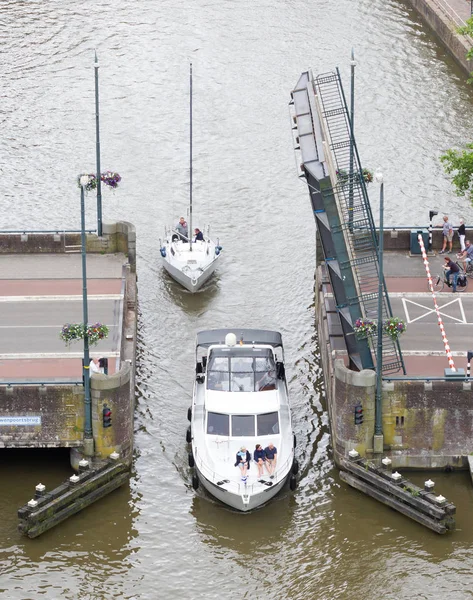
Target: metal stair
x=353 y=240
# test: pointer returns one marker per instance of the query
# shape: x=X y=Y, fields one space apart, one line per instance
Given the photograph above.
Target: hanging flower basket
x=72 y=332
x=111 y=179
x=394 y=327
x=364 y=328
x=96 y=333
x=367 y=175
x=92 y=185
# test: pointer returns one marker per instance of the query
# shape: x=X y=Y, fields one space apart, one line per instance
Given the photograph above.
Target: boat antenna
x=190 y=161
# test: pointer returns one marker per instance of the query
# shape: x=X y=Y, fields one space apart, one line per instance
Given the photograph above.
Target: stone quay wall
x=438 y=17
x=56 y=412
x=117 y=237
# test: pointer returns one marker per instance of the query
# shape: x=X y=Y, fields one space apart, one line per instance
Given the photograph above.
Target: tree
x=460 y=163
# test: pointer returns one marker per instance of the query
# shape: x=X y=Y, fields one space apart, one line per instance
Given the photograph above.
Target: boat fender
x=189 y=413
x=194 y=282
x=218 y=249
x=195 y=482
x=295 y=466
x=188 y=435
x=292 y=483
x=190 y=459
x=163 y=252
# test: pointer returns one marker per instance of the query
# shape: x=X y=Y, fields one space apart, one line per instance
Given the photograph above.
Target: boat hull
x=237 y=501
x=191 y=283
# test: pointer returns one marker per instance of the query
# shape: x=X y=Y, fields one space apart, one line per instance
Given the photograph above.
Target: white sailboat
x=189 y=262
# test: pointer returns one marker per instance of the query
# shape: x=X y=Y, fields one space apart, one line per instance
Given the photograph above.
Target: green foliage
x=468 y=30
x=460 y=163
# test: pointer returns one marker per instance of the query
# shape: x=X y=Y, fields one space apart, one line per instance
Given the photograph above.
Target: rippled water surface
x=158 y=538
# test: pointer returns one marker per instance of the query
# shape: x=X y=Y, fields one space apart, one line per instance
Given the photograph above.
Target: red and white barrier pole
x=437 y=310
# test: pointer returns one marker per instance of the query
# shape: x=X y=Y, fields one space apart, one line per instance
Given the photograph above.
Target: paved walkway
x=462 y=8
x=422 y=345
x=38 y=295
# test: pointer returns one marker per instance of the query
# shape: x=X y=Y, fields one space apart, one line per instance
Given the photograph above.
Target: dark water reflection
x=157 y=538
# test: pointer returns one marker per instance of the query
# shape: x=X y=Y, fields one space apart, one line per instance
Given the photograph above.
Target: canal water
x=158 y=538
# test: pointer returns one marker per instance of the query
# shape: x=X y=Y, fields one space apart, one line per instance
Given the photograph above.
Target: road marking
x=75 y=298
x=425 y=294
x=59 y=327
x=432 y=310
x=55 y=355
x=431 y=353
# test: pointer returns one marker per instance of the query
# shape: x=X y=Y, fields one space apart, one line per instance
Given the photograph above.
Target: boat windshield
x=247 y=370
x=243 y=425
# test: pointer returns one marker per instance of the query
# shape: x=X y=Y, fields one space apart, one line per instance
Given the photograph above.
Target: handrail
x=41 y=383
x=456 y=378
x=453 y=15
x=46 y=231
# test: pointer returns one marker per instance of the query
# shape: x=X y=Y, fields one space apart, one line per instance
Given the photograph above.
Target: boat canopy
x=210 y=337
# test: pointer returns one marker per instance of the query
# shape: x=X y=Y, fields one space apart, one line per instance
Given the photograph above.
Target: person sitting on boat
x=260 y=459
x=182 y=229
x=271 y=454
x=267 y=381
x=243 y=458
x=199 y=236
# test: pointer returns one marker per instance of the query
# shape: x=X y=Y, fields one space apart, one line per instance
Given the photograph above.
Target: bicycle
x=440 y=281
x=469 y=268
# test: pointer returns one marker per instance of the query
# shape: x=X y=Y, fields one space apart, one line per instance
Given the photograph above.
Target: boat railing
x=234 y=486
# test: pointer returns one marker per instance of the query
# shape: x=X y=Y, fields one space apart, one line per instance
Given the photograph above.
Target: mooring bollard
x=32 y=503
x=83 y=465
x=40 y=490
x=396 y=477
x=440 y=500
x=429 y=485
x=116 y=456
x=74 y=479
x=387 y=463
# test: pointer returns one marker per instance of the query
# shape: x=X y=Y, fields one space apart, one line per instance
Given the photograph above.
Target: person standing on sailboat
x=199 y=236
x=182 y=229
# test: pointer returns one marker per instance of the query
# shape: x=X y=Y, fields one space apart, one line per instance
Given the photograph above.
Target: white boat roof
x=212 y=337
x=241 y=403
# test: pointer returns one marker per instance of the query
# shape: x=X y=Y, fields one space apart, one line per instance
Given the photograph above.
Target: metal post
x=352 y=138
x=469 y=357
x=97 y=149
x=87 y=400
x=378 y=430
x=432 y=214
x=190 y=233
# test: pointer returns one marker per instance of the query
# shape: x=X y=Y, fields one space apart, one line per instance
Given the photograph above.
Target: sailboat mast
x=190 y=161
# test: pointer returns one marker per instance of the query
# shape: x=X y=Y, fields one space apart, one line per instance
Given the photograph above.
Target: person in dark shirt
x=451 y=269
x=199 y=236
x=260 y=459
x=271 y=453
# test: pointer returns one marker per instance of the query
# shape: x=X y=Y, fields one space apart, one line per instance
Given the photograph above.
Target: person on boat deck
x=243 y=458
x=182 y=229
x=267 y=381
x=271 y=453
x=260 y=459
x=199 y=236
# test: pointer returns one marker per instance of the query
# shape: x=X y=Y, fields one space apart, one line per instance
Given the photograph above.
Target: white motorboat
x=190 y=262
x=240 y=400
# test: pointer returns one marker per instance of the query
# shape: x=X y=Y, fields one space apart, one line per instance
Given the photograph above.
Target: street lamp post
x=97 y=149
x=88 y=436
x=378 y=429
x=352 y=139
